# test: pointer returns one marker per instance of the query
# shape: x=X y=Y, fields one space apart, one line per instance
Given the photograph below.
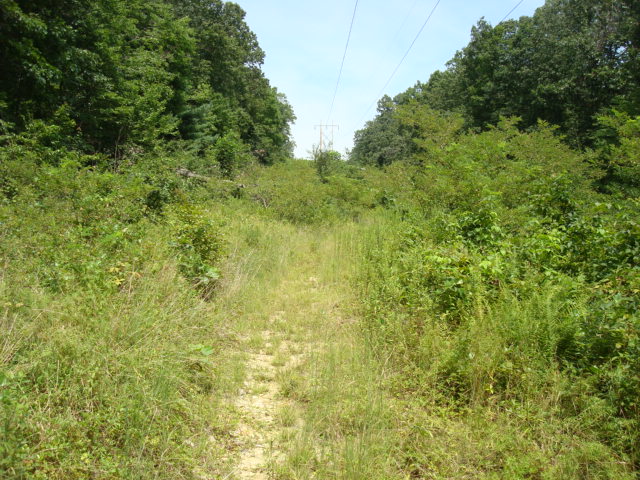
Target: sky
x=304 y=42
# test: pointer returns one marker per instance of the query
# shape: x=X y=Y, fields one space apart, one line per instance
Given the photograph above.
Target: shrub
x=199 y=243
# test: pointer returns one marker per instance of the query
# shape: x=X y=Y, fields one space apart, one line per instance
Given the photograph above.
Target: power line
x=344 y=56
x=412 y=44
x=512 y=10
x=405 y=19
x=403 y=58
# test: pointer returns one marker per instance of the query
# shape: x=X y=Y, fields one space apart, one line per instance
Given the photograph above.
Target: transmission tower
x=322 y=128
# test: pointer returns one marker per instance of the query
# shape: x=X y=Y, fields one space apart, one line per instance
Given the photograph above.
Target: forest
x=180 y=298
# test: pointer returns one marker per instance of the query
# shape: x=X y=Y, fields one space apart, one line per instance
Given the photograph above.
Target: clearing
x=311 y=404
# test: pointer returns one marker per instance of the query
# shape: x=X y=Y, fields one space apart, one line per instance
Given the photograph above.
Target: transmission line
x=511 y=11
x=413 y=43
x=405 y=19
x=393 y=74
x=344 y=56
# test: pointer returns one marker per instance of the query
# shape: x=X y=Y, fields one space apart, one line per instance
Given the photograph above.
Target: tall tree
x=567 y=64
x=132 y=74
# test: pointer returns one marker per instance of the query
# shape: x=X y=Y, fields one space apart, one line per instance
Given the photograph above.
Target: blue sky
x=304 y=42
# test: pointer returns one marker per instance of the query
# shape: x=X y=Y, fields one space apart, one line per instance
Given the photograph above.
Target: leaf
x=206 y=351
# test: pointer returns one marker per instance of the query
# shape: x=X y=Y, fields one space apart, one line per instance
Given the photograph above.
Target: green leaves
x=229 y=153
x=565 y=65
x=136 y=74
x=199 y=243
x=204 y=350
x=326 y=162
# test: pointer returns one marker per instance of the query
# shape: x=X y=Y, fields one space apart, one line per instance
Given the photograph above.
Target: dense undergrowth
x=495 y=273
x=498 y=289
x=504 y=290
x=106 y=354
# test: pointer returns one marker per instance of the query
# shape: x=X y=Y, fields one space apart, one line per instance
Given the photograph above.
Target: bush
x=293 y=192
x=505 y=281
x=230 y=154
x=199 y=243
x=327 y=162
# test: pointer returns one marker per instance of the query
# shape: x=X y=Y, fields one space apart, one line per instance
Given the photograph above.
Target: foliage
x=326 y=162
x=502 y=279
x=199 y=244
x=230 y=154
x=381 y=141
x=97 y=371
x=497 y=267
x=619 y=135
x=131 y=75
x=566 y=65
x=292 y=191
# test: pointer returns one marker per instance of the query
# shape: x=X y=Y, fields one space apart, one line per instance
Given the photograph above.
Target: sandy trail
x=287 y=326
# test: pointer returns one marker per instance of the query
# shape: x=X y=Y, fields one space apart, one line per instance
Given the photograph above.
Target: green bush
x=505 y=280
x=327 y=162
x=199 y=243
x=619 y=152
x=230 y=154
x=293 y=192
x=106 y=358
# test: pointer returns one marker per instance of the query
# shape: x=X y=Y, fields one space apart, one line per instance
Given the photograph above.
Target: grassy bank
x=114 y=357
x=502 y=289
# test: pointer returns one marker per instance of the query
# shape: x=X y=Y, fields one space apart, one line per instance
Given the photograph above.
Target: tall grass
x=114 y=386
x=112 y=363
x=345 y=417
x=472 y=318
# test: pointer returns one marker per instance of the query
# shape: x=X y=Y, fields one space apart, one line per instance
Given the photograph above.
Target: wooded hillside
x=116 y=77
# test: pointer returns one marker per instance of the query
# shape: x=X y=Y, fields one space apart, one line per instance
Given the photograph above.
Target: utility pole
x=322 y=126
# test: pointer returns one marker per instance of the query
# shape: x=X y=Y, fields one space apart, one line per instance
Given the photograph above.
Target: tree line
x=117 y=78
x=572 y=64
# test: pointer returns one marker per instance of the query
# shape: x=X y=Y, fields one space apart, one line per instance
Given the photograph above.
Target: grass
x=382 y=370
x=343 y=427
x=115 y=386
x=480 y=387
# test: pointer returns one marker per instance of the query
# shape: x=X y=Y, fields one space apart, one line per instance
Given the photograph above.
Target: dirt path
x=310 y=404
x=275 y=340
x=259 y=402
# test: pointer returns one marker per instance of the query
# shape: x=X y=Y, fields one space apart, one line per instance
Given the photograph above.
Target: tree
x=381 y=142
x=326 y=162
x=567 y=64
x=135 y=74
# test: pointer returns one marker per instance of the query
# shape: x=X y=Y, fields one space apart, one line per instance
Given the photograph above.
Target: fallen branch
x=184 y=172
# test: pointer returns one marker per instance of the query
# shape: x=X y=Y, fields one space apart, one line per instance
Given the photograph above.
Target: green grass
x=123 y=385
x=344 y=427
x=408 y=339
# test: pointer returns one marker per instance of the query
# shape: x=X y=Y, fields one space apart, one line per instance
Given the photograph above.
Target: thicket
x=503 y=284
x=110 y=254
x=105 y=359
x=296 y=192
x=120 y=78
x=499 y=283
x=504 y=290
